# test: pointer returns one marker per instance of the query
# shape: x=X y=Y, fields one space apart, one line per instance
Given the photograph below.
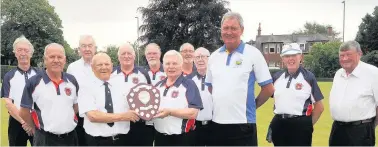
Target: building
x=271 y=45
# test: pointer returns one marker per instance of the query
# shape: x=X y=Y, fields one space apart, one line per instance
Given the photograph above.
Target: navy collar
x=295 y=74
x=160 y=69
x=46 y=78
x=239 y=49
x=118 y=69
x=177 y=83
x=22 y=72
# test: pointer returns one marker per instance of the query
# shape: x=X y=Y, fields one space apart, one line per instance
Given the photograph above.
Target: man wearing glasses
x=82 y=71
x=187 y=53
x=201 y=57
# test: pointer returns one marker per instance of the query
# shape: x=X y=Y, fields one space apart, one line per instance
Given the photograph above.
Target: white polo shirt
x=156 y=76
x=93 y=98
x=14 y=82
x=53 y=102
x=182 y=94
x=354 y=97
x=295 y=94
x=82 y=72
x=206 y=113
x=233 y=76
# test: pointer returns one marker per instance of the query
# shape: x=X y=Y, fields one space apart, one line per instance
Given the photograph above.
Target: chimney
x=259 y=30
x=330 y=31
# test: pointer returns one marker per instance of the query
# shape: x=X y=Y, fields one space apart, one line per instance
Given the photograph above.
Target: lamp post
x=137 y=42
x=343 y=20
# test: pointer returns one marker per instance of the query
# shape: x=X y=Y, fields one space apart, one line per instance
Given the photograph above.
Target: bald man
x=53 y=96
x=128 y=75
x=105 y=111
x=187 y=53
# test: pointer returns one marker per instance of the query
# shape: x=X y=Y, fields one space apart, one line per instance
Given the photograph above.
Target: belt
x=114 y=137
x=356 y=122
x=284 y=116
x=57 y=135
x=204 y=123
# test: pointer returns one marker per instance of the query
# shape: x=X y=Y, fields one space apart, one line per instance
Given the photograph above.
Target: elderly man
x=353 y=99
x=187 y=52
x=53 y=96
x=232 y=72
x=296 y=90
x=105 y=111
x=19 y=132
x=154 y=68
x=141 y=133
x=179 y=106
x=201 y=57
x=82 y=71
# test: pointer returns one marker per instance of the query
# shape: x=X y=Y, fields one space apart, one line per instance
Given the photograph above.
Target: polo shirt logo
x=68 y=91
x=239 y=62
x=298 y=86
x=135 y=80
x=175 y=94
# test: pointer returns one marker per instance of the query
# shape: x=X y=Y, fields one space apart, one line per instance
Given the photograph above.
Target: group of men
x=205 y=99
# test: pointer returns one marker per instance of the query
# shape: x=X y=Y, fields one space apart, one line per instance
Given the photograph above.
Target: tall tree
x=316 y=28
x=36 y=20
x=171 y=23
x=367 y=34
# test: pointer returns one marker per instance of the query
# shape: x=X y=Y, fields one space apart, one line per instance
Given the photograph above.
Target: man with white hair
x=187 y=53
x=129 y=75
x=53 y=96
x=201 y=57
x=232 y=72
x=179 y=106
x=353 y=99
x=154 y=68
x=82 y=71
x=19 y=132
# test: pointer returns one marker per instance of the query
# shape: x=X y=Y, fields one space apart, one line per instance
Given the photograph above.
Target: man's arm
x=13 y=111
x=318 y=110
x=101 y=117
x=76 y=108
x=266 y=92
x=26 y=116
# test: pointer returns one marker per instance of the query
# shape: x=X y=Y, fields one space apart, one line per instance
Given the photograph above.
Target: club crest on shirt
x=68 y=91
x=135 y=80
x=162 y=77
x=298 y=86
x=175 y=94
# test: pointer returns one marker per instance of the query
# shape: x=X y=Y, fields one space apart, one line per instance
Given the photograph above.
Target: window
x=302 y=46
x=271 y=50
x=278 y=50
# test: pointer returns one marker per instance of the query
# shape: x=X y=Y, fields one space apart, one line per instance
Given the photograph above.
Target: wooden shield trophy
x=145 y=100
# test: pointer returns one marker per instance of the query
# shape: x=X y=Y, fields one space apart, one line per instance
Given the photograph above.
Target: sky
x=113 y=22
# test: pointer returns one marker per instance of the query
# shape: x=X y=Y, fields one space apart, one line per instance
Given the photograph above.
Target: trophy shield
x=145 y=100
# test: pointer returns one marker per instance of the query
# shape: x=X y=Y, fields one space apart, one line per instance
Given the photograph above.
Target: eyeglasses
x=86 y=45
x=201 y=57
x=187 y=51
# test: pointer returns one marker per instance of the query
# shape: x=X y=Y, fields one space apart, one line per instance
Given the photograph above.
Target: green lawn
x=264 y=116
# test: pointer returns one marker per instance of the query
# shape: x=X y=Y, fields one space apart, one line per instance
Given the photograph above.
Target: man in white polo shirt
x=19 y=132
x=106 y=114
x=232 y=72
x=128 y=75
x=154 y=68
x=187 y=53
x=53 y=96
x=297 y=101
x=353 y=99
x=201 y=57
x=82 y=71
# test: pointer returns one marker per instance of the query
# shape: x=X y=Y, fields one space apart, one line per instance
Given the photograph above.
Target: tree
x=323 y=59
x=367 y=34
x=112 y=51
x=371 y=58
x=36 y=20
x=315 y=28
x=170 y=23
